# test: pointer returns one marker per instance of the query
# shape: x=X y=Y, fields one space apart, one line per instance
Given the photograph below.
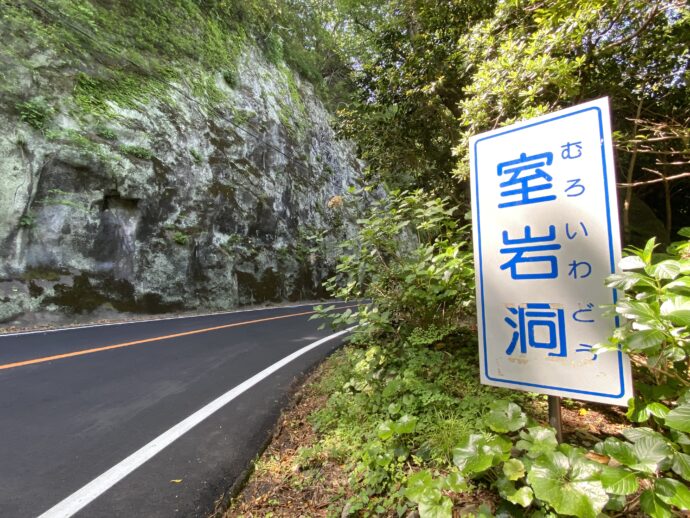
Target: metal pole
x=555 y=416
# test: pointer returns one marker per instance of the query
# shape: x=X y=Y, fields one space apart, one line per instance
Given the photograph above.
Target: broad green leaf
x=634 y=310
x=456 y=482
x=513 y=469
x=665 y=270
x=635 y=434
x=679 y=418
x=649 y=453
x=648 y=250
x=644 y=340
x=616 y=503
x=505 y=416
x=620 y=451
x=522 y=496
x=478 y=453
x=653 y=505
x=385 y=430
x=681 y=465
x=619 y=481
x=440 y=508
x=565 y=487
x=681 y=285
x=658 y=409
x=537 y=440
x=418 y=484
x=406 y=424
x=506 y=488
x=394 y=408
x=673 y=492
x=631 y=262
x=685 y=232
x=677 y=309
x=638 y=411
x=628 y=280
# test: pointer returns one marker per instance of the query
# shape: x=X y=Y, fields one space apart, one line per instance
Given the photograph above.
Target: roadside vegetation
x=397 y=421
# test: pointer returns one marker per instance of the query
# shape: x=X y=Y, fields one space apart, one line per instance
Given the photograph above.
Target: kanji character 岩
x=526 y=250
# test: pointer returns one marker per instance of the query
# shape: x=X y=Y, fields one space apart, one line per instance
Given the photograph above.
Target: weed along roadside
x=397 y=422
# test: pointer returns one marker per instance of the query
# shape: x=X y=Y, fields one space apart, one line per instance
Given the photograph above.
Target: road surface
x=151 y=419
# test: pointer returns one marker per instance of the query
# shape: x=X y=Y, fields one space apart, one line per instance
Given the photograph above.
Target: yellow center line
x=83 y=352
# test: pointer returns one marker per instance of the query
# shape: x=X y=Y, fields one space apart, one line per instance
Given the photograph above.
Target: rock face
x=172 y=203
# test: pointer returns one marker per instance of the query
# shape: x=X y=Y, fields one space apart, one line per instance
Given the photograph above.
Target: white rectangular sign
x=545 y=223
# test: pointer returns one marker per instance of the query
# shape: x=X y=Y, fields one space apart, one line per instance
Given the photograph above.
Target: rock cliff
x=164 y=201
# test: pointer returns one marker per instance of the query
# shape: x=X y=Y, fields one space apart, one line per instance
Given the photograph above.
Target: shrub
x=413 y=259
x=136 y=151
x=36 y=113
x=106 y=133
x=180 y=238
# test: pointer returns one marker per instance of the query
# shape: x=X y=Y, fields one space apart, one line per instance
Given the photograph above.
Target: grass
x=336 y=452
x=136 y=151
x=359 y=394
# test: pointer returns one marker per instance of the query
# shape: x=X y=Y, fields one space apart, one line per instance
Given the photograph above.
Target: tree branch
x=656 y=180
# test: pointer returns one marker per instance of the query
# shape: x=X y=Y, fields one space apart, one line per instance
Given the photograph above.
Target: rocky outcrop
x=170 y=203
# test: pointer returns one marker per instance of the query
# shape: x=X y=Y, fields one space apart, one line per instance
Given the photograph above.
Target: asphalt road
x=75 y=403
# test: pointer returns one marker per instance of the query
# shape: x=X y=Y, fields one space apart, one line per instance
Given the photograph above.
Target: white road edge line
x=82 y=497
x=125 y=322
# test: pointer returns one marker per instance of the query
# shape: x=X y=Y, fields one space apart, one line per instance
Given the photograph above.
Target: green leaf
x=385 y=430
x=679 y=285
x=566 y=485
x=522 y=496
x=628 y=280
x=679 y=418
x=649 y=452
x=665 y=270
x=406 y=424
x=631 y=262
x=685 y=232
x=635 y=434
x=677 y=309
x=648 y=250
x=505 y=417
x=681 y=465
x=507 y=490
x=421 y=487
x=620 y=451
x=478 y=453
x=536 y=441
x=644 y=340
x=441 y=508
x=673 y=492
x=637 y=411
x=456 y=482
x=619 y=481
x=513 y=469
x=658 y=409
x=634 y=310
x=653 y=505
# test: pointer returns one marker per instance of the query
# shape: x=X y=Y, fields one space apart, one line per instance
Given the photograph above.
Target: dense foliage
x=130 y=52
x=431 y=74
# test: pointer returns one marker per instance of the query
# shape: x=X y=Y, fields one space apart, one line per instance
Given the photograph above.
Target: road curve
x=77 y=404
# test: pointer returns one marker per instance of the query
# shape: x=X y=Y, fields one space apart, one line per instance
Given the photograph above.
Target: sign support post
x=555 y=416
